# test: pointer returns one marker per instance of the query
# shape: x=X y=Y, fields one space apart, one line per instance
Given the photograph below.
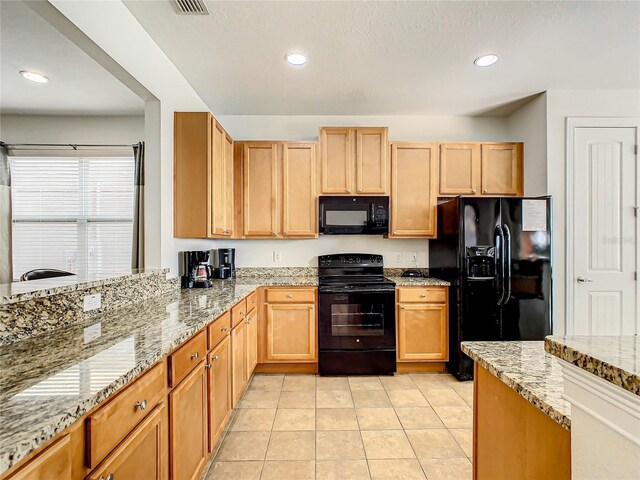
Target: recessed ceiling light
x=486 y=60
x=296 y=59
x=33 y=76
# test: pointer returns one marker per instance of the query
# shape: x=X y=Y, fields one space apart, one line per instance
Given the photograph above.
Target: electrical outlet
x=398 y=257
x=414 y=257
x=92 y=332
x=92 y=302
x=277 y=256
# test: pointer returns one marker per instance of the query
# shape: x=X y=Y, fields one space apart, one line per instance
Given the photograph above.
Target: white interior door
x=604 y=244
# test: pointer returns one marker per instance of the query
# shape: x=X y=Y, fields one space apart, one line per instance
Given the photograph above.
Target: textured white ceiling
x=77 y=84
x=394 y=57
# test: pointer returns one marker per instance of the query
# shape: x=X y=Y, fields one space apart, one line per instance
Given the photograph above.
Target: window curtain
x=137 y=244
x=6 y=268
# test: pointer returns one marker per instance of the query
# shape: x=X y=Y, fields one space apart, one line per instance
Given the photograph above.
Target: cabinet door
x=336 y=164
x=299 y=218
x=372 y=161
x=259 y=162
x=217 y=180
x=191 y=173
x=53 y=462
x=413 y=189
x=238 y=370
x=143 y=453
x=219 y=389
x=459 y=168
x=188 y=424
x=502 y=169
x=228 y=186
x=251 y=343
x=422 y=332
x=291 y=332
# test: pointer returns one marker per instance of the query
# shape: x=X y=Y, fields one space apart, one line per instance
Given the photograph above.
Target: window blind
x=72 y=213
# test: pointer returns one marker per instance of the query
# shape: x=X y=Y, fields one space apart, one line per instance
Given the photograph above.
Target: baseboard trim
x=420 y=367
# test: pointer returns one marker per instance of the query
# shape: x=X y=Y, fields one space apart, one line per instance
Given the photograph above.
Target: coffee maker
x=195 y=269
x=225 y=263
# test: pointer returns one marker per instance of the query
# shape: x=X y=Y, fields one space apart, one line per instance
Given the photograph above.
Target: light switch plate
x=398 y=257
x=92 y=302
x=277 y=256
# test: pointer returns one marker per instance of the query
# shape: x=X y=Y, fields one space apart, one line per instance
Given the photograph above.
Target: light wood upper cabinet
x=502 y=169
x=219 y=362
x=299 y=218
x=53 y=462
x=459 y=168
x=279 y=190
x=203 y=185
x=260 y=187
x=481 y=169
x=238 y=357
x=354 y=161
x=291 y=332
x=337 y=162
x=142 y=455
x=414 y=186
x=422 y=324
x=188 y=425
x=372 y=161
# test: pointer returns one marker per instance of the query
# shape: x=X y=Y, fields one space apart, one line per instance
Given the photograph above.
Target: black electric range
x=356 y=316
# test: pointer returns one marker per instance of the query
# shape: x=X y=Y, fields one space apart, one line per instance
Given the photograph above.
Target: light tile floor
x=297 y=427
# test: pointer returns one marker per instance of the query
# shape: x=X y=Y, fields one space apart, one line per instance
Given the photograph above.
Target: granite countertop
x=615 y=359
x=46 y=287
x=50 y=380
x=418 y=281
x=529 y=370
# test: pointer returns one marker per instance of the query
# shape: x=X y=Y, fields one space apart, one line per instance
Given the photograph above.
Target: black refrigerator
x=496 y=252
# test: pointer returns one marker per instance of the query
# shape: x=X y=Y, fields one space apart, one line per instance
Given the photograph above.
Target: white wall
x=92 y=129
x=528 y=124
x=305 y=127
x=560 y=105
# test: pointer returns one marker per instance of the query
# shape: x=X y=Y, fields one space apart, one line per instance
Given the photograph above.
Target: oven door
x=356 y=320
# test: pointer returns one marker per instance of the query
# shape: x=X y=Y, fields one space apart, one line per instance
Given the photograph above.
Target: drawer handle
x=224 y=329
x=194 y=356
x=207 y=365
x=140 y=405
x=289 y=295
x=216 y=358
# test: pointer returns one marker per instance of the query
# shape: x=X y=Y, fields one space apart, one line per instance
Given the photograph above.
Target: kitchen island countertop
x=526 y=368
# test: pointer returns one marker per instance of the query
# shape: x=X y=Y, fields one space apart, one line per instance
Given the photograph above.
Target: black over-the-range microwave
x=362 y=215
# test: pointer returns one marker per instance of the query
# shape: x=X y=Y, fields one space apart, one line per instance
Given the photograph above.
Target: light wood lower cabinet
x=238 y=357
x=422 y=324
x=143 y=453
x=53 y=462
x=414 y=189
x=188 y=425
x=219 y=362
x=251 y=342
x=291 y=332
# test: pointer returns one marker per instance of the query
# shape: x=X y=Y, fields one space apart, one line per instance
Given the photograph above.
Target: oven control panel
x=350 y=259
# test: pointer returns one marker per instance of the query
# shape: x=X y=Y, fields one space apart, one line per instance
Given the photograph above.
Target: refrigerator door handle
x=506 y=259
x=499 y=263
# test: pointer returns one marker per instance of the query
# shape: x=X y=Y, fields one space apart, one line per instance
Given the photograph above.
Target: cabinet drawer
x=113 y=421
x=182 y=360
x=422 y=295
x=53 y=462
x=219 y=329
x=291 y=295
x=238 y=312
x=252 y=301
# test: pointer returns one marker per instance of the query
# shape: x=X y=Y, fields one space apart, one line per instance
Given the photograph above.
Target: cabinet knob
x=484 y=191
x=140 y=405
x=224 y=329
x=289 y=295
x=473 y=190
x=422 y=295
x=273 y=233
x=194 y=356
x=216 y=358
x=207 y=365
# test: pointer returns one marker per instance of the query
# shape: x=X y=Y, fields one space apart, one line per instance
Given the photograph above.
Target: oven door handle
x=340 y=290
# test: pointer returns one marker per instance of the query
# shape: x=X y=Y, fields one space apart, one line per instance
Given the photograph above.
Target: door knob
x=584 y=280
